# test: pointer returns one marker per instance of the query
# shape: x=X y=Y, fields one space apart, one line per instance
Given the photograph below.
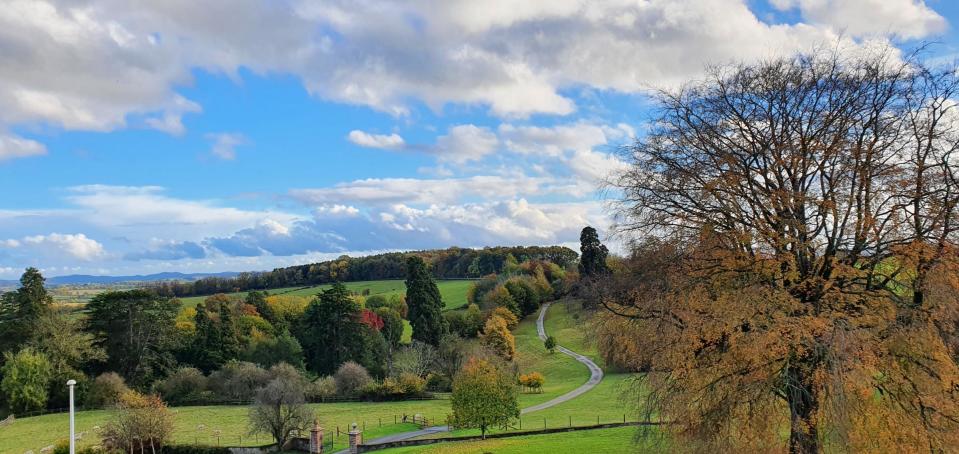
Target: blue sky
x=244 y=135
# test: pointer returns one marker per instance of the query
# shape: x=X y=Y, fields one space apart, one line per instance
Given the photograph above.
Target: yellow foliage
x=497 y=337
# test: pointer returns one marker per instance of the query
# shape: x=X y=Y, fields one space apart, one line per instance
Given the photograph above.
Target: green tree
x=137 y=330
x=26 y=375
x=483 y=396
x=592 y=261
x=330 y=330
x=21 y=309
x=425 y=303
x=69 y=349
x=257 y=299
x=392 y=326
x=550 y=344
x=284 y=348
x=525 y=295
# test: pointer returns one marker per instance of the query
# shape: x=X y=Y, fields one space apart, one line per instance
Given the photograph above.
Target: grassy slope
x=602 y=404
x=452 y=291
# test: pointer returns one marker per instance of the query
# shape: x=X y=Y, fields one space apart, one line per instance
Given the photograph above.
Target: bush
x=438 y=383
x=507 y=315
x=140 y=422
x=187 y=384
x=25 y=379
x=376 y=301
x=533 y=381
x=405 y=386
x=289 y=373
x=350 y=378
x=322 y=388
x=106 y=390
x=238 y=381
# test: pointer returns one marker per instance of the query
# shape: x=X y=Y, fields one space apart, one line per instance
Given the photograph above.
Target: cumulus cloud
x=909 y=19
x=388 y=191
x=464 y=143
x=386 y=142
x=76 y=245
x=95 y=64
x=224 y=145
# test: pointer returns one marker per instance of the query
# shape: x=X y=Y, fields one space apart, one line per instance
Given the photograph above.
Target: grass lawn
x=617 y=440
x=452 y=291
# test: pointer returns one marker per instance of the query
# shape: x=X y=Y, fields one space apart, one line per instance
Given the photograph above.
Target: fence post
x=571 y=421
x=624 y=418
x=544 y=422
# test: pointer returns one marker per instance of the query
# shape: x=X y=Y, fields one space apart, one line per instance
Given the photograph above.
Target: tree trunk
x=803 y=398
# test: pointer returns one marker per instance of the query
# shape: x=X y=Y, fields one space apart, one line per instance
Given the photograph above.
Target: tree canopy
x=425 y=303
x=804 y=211
x=483 y=396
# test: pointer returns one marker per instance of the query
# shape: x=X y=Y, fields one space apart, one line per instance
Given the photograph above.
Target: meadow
x=452 y=291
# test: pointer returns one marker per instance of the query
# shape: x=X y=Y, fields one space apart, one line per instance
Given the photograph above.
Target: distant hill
x=81 y=279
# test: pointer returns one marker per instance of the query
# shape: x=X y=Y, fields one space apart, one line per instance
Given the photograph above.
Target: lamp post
x=73 y=438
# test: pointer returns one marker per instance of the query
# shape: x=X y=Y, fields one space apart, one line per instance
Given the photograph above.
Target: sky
x=236 y=135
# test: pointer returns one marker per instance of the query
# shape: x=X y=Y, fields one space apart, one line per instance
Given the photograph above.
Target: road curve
x=595 y=376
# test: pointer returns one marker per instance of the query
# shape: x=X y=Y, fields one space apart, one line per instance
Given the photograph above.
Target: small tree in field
x=25 y=379
x=280 y=409
x=142 y=424
x=550 y=344
x=533 y=381
x=483 y=396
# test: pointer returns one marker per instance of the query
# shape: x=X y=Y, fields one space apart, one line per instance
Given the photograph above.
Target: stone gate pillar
x=316 y=438
x=356 y=439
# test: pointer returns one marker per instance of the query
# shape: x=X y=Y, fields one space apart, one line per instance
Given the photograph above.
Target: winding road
x=595 y=376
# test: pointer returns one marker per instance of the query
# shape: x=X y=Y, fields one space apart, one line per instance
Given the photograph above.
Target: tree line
x=449 y=263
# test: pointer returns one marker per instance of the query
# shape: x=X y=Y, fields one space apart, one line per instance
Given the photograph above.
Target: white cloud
x=224 y=145
x=552 y=141
x=386 y=142
x=336 y=210
x=910 y=19
x=464 y=143
x=77 y=245
x=388 y=191
x=94 y=64
x=17 y=147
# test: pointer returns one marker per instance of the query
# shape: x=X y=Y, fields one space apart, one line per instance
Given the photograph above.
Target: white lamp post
x=73 y=438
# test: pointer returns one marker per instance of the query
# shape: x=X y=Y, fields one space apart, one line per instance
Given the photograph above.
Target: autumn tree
x=425 y=303
x=483 y=396
x=140 y=424
x=26 y=375
x=497 y=337
x=805 y=204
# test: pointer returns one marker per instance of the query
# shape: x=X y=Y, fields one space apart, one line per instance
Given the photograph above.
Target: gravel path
x=595 y=376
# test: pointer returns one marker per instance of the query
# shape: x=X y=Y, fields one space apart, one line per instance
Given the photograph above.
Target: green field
x=452 y=291
x=202 y=424
x=619 y=439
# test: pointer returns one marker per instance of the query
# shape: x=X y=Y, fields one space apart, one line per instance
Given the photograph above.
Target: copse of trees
x=449 y=263
x=807 y=206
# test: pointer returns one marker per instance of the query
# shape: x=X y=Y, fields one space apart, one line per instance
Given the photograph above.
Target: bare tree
x=808 y=200
x=280 y=409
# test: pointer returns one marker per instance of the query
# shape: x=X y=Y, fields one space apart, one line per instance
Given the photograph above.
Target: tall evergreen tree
x=331 y=331
x=425 y=303
x=592 y=261
x=22 y=309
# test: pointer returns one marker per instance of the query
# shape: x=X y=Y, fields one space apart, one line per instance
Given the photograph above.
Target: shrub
x=238 y=380
x=416 y=359
x=141 y=423
x=438 y=383
x=106 y=390
x=350 y=378
x=289 y=373
x=395 y=388
x=508 y=316
x=533 y=381
x=376 y=301
x=272 y=350
x=187 y=384
x=321 y=389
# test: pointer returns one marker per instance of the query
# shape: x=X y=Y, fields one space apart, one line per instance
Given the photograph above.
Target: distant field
x=452 y=291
